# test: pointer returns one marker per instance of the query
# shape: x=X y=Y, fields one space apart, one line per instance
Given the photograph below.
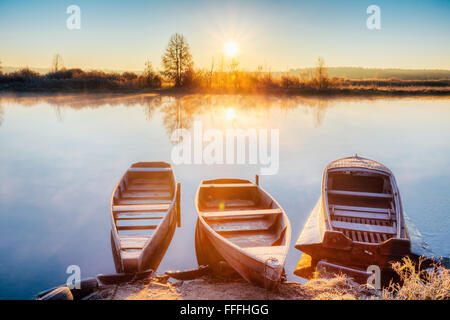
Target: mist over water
x=61 y=156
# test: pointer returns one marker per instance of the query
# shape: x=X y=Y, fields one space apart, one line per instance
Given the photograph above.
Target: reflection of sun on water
x=230 y=114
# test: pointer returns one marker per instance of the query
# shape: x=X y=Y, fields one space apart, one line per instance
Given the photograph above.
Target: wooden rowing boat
x=145 y=208
x=241 y=224
x=358 y=220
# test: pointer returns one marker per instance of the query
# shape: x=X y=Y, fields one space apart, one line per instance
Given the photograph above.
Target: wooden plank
x=241 y=213
x=148 y=194
x=135 y=227
x=149 y=169
x=359 y=236
x=228 y=185
x=377 y=235
x=360 y=194
x=148 y=187
x=234 y=203
x=143 y=181
x=365 y=215
x=143 y=201
x=137 y=224
x=140 y=215
x=360 y=209
x=133 y=242
x=261 y=225
x=363 y=227
x=130 y=254
x=147 y=207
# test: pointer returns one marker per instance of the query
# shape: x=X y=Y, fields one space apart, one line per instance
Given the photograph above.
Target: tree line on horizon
x=178 y=71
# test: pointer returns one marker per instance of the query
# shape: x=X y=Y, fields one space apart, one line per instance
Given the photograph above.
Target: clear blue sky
x=279 y=34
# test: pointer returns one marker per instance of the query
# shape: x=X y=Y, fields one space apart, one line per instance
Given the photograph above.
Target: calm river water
x=61 y=156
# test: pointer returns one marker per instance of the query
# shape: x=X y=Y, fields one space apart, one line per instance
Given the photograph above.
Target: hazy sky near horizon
x=121 y=35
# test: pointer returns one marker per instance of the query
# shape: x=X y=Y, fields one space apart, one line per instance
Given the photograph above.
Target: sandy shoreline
x=210 y=288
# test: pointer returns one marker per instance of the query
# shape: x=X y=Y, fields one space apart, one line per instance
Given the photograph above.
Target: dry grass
x=339 y=287
x=417 y=283
x=218 y=81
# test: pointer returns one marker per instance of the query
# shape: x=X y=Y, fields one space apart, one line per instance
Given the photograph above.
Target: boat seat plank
x=133 y=242
x=146 y=194
x=145 y=207
x=365 y=215
x=140 y=215
x=138 y=223
x=367 y=209
x=363 y=227
x=235 y=203
x=143 y=201
x=214 y=214
x=228 y=185
x=361 y=194
x=149 y=181
x=149 y=169
x=134 y=227
x=148 y=187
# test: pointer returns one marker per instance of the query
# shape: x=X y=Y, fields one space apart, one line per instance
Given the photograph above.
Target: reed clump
x=419 y=283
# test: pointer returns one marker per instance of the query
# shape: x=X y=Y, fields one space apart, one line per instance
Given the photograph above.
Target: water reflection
x=178 y=110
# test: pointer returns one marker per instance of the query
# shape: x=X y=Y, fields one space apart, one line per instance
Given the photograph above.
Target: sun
x=231 y=48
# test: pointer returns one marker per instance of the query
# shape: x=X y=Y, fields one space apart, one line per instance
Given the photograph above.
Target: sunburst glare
x=230 y=114
x=231 y=49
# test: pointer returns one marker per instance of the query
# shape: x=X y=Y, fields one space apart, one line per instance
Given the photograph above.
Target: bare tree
x=177 y=59
x=151 y=78
x=321 y=74
x=57 y=63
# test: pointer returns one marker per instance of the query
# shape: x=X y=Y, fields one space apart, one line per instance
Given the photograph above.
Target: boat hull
x=254 y=271
x=157 y=215
x=154 y=252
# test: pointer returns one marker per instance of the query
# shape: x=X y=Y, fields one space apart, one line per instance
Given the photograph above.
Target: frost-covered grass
x=418 y=283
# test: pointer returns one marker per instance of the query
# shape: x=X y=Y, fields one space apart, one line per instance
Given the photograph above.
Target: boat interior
x=362 y=205
x=141 y=201
x=239 y=211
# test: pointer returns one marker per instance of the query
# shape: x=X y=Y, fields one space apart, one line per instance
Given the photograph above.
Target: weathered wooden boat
x=145 y=209
x=241 y=224
x=358 y=220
